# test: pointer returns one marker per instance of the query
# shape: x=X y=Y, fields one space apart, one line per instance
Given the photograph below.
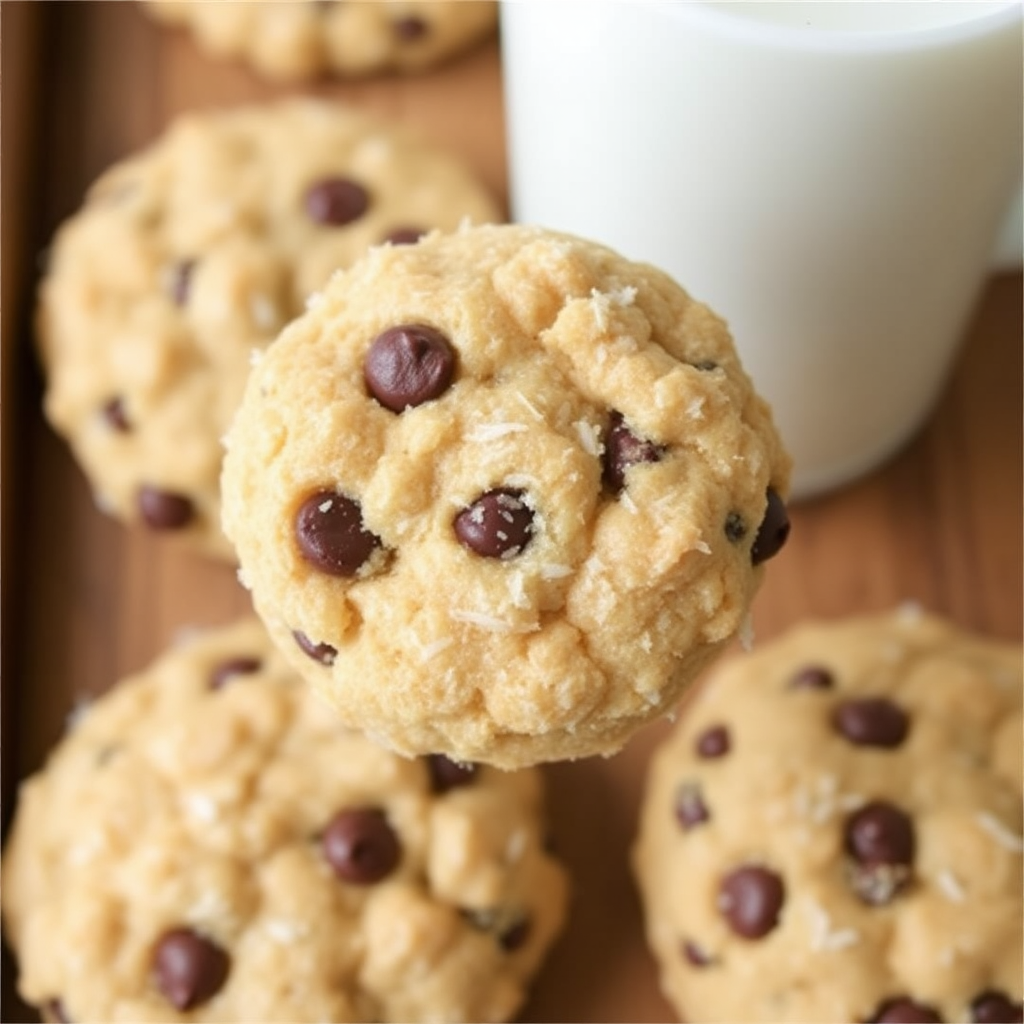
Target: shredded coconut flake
x=264 y=312
x=823 y=938
x=200 y=806
x=553 y=571
x=313 y=299
x=529 y=406
x=588 y=435
x=285 y=932
x=702 y=546
x=487 y=432
x=1000 y=833
x=431 y=650
x=628 y=503
x=695 y=410
x=325 y=506
x=482 y=620
x=950 y=886
x=243 y=579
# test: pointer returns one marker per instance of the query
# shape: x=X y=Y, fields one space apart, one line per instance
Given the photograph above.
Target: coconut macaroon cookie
x=207 y=844
x=500 y=494
x=833 y=830
x=291 y=40
x=190 y=255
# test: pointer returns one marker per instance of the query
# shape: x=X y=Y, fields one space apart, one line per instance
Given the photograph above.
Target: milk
x=830 y=177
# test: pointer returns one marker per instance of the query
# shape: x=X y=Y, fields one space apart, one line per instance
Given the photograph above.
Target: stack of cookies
x=499 y=496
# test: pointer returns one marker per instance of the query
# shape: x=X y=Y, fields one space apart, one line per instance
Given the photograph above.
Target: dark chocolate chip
x=404 y=236
x=871 y=722
x=689 y=807
x=164 y=510
x=735 y=527
x=499 y=524
x=331 y=535
x=410 y=28
x=773 y=531
x=447 y=774
x=750 y=899
x=515 y=936
x=190 y=968
x=114 y=414
x=994 y=1007
x=903 y=1010
x=880 y=839
x=361 y=846
x=408 y=365
x=180 y=283
x=324 y=653
x=713 y=742
x=239 y=666
x=336 y=201
x=695 y=955
x=622 y=449
x=812 y=677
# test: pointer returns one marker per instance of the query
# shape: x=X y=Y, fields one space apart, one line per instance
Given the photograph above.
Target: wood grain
x=940 y=524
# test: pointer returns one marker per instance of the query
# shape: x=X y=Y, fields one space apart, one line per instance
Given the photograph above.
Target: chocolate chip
x=903 y=1010
x=705 y=365
x=53 y=1009
x=336 y=201
x=331 y=535
x=735 y=527
x=409 y=28
x=713 y=742
x=190 y=968
x=180 y=282
x=515 y=937
x=773 y=531
x=994 y=1007
x=164 y=510
x=499 y=524
x=361 y=846
x=871 y=722
x=239 y=666
x=812 y=677
x=750 y=899
x=880 y=839
x=404 y=236
x=690 y=809
x=695 y=955
x=324 y=653
x=114 y=414
x=408 y=365
x=622 y=449
x=447 y=774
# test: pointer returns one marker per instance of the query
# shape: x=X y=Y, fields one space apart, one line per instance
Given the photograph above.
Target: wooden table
x=86 y=601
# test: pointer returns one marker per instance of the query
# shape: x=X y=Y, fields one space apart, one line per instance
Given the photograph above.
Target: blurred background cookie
x=207 y=843
x=833 y=830
x=194 y=253
x=291 y=40
x=502 y=493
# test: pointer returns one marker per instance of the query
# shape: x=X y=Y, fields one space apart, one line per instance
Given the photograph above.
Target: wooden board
x=87 y=601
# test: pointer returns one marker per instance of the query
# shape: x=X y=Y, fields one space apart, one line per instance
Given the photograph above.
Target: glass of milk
x=830 y=177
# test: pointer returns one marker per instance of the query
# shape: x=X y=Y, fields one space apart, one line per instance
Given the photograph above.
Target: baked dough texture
x=207 y=844
x=295 y=40
x=190 y=255
x=502 y=493
x=832 y=832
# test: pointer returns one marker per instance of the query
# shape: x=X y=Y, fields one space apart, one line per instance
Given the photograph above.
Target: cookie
x=194 y=253
x=500 y=494
x=207 y=844
x=832 y=832
x=295 y=40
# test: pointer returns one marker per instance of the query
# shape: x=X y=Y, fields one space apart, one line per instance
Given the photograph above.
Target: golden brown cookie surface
x=208 y=844
x=501 y=493
x=833 y=831
x=292 y=40
x=191 y=255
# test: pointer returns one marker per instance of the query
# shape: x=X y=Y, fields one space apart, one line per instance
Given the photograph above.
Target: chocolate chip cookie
x=833 y=830
x=500 y=494
x=208 y=844
x=191 y=256
x=292 y=40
